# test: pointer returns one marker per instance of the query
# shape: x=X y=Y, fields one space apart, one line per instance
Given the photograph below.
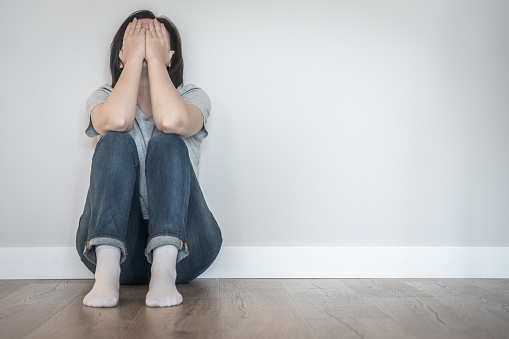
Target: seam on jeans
x=104 y=235
x=165 y=233
x=170 y=234
x=183 y=244
x=88 y=247
x=128 y=210
x=137 y=176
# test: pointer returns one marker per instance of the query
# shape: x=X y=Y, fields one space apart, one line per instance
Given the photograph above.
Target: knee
x=117 y=141
x=167 y=141
x=117 y=136
x=116 y=147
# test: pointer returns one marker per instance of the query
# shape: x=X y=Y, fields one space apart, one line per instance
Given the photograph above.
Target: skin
x=137 y=49
x=147 y=41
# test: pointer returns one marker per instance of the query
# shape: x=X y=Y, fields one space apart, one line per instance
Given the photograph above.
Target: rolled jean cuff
x=104 y=240
x=166 y=240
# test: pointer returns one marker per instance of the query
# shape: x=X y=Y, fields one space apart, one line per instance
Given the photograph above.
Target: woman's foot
x=107 y=278
x=162 y=290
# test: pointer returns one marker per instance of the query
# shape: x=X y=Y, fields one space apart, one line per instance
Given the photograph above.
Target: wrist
x=155 y=61
x=134 y=60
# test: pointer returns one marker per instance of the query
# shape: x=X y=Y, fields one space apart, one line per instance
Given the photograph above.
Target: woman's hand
x=133 y=46
x=158 y=44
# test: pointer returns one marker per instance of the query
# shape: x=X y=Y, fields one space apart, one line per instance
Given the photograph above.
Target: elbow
x=171 y=126
x=122 y=126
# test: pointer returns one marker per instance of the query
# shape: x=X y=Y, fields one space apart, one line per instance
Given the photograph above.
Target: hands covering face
x=152 y=45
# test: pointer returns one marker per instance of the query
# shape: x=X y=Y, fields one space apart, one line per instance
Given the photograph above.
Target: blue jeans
x=179 y=214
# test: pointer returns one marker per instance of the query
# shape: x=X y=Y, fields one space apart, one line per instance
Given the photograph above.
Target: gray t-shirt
x=144 y=128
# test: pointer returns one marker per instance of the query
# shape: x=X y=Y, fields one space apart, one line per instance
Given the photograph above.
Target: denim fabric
x=178 y=212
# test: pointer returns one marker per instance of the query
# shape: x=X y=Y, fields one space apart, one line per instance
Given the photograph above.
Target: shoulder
x=190 y=89
x=98 y=96
x=102 y=91
x=106 y=87
x=192 y=94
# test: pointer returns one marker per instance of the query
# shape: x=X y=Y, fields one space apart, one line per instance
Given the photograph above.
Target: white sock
x=162 y=290
x=107 y=278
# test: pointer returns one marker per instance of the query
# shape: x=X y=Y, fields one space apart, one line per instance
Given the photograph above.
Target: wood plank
x=494 y=285
x=428 y=317
x=9 y=286
x=339 y=302
x=79 y=321
x=327 y=328
x=383 y=288
x=262 y=328
x=113 y=322
x=460 y=293
x=313 y=283
x=194 y=318
x=265 y=299
x=258 y=308
x=200 y=288
x=26 y=309
x=334 y=310
x=347 y=328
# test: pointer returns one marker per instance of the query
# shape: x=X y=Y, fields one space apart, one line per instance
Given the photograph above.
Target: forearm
x=168 y=108
x=122 y=101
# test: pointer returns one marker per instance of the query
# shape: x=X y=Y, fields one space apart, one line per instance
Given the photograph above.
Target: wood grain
x=29 y=307
x=264 y=308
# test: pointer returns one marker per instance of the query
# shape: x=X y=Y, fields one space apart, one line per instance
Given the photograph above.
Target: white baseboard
x=288 y=262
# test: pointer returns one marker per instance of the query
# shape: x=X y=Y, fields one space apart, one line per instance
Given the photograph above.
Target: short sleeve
x=196 y=96
x=99 y=96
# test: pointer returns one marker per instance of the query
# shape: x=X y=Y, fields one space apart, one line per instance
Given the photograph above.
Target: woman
x=145 y=219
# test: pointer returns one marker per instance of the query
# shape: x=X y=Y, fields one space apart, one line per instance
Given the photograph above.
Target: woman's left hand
x=157 y=41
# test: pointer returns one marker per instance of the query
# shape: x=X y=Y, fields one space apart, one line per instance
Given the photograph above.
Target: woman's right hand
x=133 y=45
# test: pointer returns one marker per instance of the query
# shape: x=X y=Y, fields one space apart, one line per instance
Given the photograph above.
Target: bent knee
x=120 y=140
x=168 y=140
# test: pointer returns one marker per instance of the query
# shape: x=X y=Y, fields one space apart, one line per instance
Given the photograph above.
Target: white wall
x=333 y=123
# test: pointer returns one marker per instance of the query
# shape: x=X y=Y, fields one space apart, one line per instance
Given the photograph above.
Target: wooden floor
x=264 y=308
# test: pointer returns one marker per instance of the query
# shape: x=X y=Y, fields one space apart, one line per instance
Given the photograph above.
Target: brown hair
x=176 y=71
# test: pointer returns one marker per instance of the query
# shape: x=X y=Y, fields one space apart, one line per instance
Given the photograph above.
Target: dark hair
x=176 y=71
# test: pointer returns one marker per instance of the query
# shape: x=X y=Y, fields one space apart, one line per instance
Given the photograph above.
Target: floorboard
x=264 y=308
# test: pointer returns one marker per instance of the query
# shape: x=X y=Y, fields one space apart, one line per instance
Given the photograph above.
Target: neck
x=144 y=102
x=144 y=90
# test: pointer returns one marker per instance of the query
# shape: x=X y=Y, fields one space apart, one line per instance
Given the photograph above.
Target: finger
x=143 y=32
x=127 y=33
x=157 y=27
x=138 y=27
x=153 y=29
x=164 y=32
x=166 y=36
x=130 y=27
